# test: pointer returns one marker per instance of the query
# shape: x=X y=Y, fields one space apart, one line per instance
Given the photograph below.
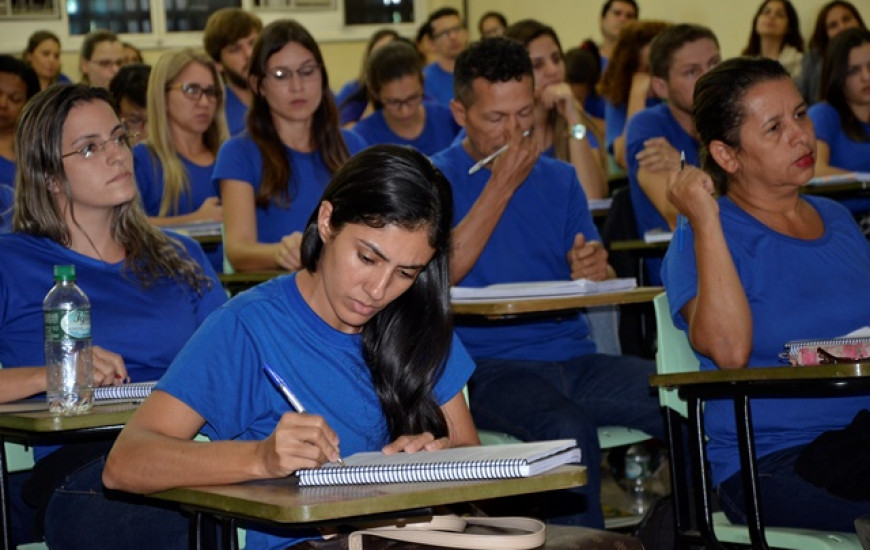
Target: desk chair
x=675 y=355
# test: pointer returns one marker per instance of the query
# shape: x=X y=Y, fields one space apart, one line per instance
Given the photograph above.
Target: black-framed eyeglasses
x=452 y=30
x=195 y=91
x=305 y=73
x=89 y=150
x=411 y=101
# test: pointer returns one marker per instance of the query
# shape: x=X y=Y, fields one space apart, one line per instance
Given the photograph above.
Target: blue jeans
x=788 y=500
x=80 y=515
x=537 y=400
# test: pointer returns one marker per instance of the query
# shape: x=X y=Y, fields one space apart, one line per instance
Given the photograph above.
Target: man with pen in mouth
x=523 y=217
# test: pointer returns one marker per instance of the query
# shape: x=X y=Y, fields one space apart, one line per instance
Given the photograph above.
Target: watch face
x=578 y=131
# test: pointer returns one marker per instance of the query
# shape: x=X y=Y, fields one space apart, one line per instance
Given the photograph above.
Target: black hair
x=835 y=71
x=792 y=36
x=718 y=111
x=13 y=65
x=391 y=62
x=528 y=30
x=496 y=59
x=407 y=343
x=819 y=40
x=581 y=67
x=606 y=7
x=668 y=41
x=438 y=14
x=131 y=81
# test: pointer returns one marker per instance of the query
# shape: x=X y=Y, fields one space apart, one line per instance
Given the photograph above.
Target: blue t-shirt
x=615 y=120
x=149 y=178
x=656 y=121
x=146 y=326
x=439 y=129
x=272 y=324
x=595 y=105
x=796 y=289
x=529 y=243
x=349 y=111
x=438 y=83
x=7 y=199
x=236 y=112
x=7 y=171
x=845 y=152
x=239 y=158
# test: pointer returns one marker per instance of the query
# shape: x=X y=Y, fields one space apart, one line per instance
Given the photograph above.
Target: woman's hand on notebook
x=413 y=443
x=109 y=368
x=299 y=441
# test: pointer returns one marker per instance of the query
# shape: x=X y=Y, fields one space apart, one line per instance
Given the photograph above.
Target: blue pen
x=285 y=391
x=681 y=220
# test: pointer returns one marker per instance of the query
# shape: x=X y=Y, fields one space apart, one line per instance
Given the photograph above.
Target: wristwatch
x=578 y=131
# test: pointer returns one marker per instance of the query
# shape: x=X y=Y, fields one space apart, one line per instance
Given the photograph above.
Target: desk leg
x=6 y=529
x=228 y=529
x=749 y=472
x=703 y=494
x=679 y=479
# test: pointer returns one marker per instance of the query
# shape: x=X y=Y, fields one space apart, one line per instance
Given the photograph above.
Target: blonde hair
x=159 y=142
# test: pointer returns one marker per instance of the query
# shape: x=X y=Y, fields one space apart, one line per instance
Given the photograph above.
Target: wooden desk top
x=284 y=501
x=836 y=188
x=113 y=415
x=499 y=308
x=639 y=245
x=764 y=375
x=250 y=277
x=208 y=239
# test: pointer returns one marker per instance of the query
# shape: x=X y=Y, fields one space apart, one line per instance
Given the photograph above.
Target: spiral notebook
x=102 y=395
x=461 y=463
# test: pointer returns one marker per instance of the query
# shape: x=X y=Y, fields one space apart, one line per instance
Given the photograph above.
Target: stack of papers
x=658 y=236
x=600 y=204
x=539 y=289
x=198 y=229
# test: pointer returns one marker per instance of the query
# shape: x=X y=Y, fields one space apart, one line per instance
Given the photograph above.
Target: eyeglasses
x=306 y=73
x=195 y=91
x=445 y=32
x=120 y=140
x=106 y=63
x=397 y=104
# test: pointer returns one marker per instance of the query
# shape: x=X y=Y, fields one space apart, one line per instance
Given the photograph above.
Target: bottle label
x=61 y=324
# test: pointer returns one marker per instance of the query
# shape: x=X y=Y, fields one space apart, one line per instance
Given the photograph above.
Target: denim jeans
x=788 y=500
x=80 y=515
x=536 y=400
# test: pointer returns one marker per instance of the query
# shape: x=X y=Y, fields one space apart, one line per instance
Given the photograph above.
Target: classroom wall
x=574 y=20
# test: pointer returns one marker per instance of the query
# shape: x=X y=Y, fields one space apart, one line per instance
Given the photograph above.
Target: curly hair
x=615 y=83
x=494 y=60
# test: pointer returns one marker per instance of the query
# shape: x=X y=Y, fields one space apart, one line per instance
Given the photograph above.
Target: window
x=366 y=12
x=31 y=9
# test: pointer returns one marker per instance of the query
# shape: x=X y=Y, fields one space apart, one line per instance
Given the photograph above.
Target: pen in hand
x=681 y=220
x=489 y=158
x=288 y=395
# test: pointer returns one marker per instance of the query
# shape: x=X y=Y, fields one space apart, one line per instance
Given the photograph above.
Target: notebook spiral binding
x=794 y=348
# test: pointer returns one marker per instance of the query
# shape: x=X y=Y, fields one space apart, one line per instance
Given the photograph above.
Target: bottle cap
x=64 y=273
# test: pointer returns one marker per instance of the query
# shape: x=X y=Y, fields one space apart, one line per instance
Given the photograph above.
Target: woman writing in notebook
x=272 y=176
x=76 y=203
x=362 y=334
x=760 y=266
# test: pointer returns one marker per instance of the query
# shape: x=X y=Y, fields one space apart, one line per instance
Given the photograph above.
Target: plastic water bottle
x=637 y=473
x=68 y=355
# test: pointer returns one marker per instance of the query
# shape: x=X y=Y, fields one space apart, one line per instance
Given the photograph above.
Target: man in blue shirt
x=449 y=36
x=656 y=136
x=524 y=217
x=228 y=39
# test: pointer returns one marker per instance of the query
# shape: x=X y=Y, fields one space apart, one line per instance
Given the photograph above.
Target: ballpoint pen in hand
x=489 y=158
x=288 y=395
x=681 y=220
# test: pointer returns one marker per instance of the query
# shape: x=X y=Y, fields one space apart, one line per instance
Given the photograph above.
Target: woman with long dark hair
x=833 y=18
x=562 y=127
x=353 y=99
x=362 y=334
x=272 y=176
x=776 y=34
